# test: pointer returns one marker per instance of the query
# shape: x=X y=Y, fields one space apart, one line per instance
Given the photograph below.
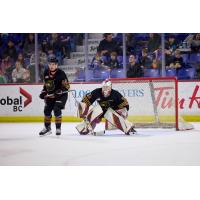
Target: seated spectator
x=20 y=58
x=113 y=62
x=155 y=64
x=145 y=61
x=11 y=50
x=20 y=74
x=1 y=45
x=2 y=77
x=43 y=59
x=133 y=69
x=171 y=44
x=177 y=61
x=42 y=65
x=6 y=63
x=29 y=45
x=108 y=45
x=168 y=57
x=97 y=61
x=154 y=42
x=195 y=44
x=44 y=46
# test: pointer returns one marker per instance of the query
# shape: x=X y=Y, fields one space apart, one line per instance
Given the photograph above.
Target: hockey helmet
x=106 y=87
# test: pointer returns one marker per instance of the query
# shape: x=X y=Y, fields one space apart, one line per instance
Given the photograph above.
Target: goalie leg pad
x=83 y=128
x=118 y=121
x=82 y=109
x=94 y=115
x=109 y=126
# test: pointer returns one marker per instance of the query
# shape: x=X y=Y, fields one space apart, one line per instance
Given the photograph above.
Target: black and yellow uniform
x=115 y=100
x=55 y=94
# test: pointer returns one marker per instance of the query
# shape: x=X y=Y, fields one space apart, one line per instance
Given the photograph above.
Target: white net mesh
x=152 y=102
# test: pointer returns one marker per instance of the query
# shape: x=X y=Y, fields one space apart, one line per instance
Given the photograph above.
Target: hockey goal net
x=153 y=102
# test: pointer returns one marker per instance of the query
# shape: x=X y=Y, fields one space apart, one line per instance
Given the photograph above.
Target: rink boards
x=22 y=102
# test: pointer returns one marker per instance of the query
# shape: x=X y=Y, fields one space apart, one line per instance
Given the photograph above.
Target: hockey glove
x=58 y=93
x=43 y=94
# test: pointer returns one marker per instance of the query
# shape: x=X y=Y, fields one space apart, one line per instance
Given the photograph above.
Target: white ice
x=21 y=145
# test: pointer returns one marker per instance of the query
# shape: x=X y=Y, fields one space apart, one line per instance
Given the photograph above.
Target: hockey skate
x=45 y=131
x=131 y=131
x=58 y=132
x=98 y=133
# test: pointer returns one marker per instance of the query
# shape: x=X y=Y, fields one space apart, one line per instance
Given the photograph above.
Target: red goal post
x=153 y=102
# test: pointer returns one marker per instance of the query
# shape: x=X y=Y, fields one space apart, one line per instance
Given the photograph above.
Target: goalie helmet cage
x=153 y=102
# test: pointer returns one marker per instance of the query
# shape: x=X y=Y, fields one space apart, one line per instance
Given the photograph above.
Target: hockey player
x=110 y=104
x=55 y=94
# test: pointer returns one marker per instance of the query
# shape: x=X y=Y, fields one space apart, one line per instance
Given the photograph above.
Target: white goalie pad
x=84 y=128
x=117 y=120
x=94 y=114
x=109 y=126
x=89 y=122
x=82 y=109
x=123 y=112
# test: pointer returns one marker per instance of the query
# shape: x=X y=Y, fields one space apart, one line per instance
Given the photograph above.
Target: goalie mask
x=106 y=88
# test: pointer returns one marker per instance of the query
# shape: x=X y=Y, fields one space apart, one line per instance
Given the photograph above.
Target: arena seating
x=186 y=73
x=191 y=59
x=171 y=72
x=117 y=73
x=151 y=73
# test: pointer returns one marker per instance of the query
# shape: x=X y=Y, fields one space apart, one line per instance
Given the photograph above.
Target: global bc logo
x=18 y=103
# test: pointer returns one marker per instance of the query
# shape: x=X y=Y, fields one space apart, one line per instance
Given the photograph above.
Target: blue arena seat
x=117 y=73
x=98 y=75
x=151 y=73
x=81 y=76
x=185 y=58
x=186 y=73
x=170 y=72
x=105 y=74
x=195 y=57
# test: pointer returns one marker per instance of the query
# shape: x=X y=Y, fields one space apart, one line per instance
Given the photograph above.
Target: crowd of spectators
x=18 y=49
x=143 y=51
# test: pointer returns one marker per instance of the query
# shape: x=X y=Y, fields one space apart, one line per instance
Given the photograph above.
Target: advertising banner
x=23 y=100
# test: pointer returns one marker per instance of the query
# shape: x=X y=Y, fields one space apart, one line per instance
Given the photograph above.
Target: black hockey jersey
x=53 y=83
x=115 y=100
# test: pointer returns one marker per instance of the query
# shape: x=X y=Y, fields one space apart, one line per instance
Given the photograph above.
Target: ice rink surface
x=21 y=145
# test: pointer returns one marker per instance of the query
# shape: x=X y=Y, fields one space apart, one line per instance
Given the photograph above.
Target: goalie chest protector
x=115 y=100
